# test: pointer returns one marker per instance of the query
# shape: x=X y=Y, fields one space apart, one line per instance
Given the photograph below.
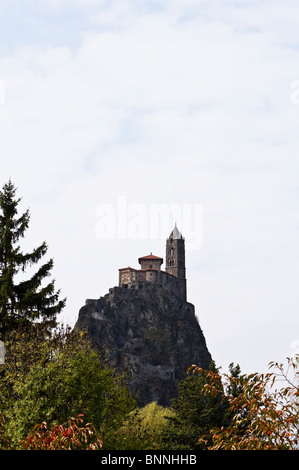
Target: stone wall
x=134 y=279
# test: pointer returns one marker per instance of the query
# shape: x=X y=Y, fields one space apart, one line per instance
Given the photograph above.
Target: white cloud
x=184 y=102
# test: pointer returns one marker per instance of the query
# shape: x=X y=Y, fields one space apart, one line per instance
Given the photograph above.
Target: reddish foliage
x=73 y=436
x=261 y=418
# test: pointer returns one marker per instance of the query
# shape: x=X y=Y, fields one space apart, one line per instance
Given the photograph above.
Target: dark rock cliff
x=151 y=333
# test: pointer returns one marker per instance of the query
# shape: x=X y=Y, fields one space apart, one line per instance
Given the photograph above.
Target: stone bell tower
x=175 y=260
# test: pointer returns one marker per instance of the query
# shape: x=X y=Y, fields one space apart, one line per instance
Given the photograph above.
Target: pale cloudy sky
x=187 y=102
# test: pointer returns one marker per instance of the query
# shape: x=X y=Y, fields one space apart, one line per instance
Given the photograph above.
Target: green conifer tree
x=29 y=300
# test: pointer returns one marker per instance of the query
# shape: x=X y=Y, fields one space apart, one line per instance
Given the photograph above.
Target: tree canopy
x=53 y=377
x=262 y=416
x=27 y=300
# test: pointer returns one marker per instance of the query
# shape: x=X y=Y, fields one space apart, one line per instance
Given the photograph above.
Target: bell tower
x=175 y=259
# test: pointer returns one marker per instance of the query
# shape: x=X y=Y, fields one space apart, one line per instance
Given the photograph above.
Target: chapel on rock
x=174 y=275
x=146 y=327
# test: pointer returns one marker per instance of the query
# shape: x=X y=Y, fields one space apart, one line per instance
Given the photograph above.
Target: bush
x=67 y=377
x=73 y=436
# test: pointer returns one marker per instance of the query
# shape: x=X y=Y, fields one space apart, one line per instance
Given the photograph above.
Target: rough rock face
x=151 y=333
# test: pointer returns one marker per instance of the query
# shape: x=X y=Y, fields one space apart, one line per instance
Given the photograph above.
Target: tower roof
x=175 y=233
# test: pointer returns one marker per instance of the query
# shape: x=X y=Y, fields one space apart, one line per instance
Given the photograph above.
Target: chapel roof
x=151 y=256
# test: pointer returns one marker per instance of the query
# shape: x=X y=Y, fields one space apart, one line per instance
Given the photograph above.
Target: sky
x=120 y=118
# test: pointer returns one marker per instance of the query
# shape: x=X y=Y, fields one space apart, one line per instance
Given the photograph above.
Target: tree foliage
x=195 y=412
x=73 y=436
x=216 y=412
x=27 y=300
x=143 y=428
x=262 y=417
x=55 y=378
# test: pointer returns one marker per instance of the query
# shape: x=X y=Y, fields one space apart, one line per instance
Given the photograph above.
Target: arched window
x=171 y=251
